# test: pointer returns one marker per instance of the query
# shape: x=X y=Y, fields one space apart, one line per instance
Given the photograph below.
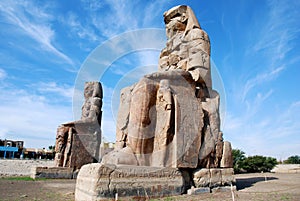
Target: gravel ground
x=17 y=167
x=250 y=187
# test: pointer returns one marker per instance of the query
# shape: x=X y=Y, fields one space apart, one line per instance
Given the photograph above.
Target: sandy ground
x=41 y=190
x=250 y=187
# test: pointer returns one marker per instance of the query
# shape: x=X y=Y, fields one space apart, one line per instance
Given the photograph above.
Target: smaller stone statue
x=78 y=142
x=91 y=109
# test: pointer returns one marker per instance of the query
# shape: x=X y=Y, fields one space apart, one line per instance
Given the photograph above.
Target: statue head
x=92 y=89
x=180 y=19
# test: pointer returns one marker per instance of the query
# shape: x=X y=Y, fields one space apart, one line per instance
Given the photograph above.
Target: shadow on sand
x=243 y=183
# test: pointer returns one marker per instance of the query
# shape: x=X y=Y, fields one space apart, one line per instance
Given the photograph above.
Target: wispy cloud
x=110 y=25
x=261 y=133
x=52 y=87
x=2 y=74
x=259 y=123
x=80 y=28
x=152 y=11
x=255 y=106
x=277 y=34
x=30 y=117
x=260 y=79
x=274 y=41
x=34 y=22
x=122 y=15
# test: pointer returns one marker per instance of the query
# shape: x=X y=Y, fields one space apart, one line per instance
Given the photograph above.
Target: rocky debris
x=197 y=191
x=78 y=143
x=222 y=189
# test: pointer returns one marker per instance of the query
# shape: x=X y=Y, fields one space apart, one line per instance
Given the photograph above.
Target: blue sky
x=255 y=48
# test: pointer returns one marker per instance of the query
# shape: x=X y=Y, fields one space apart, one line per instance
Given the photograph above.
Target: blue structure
x=9 y=149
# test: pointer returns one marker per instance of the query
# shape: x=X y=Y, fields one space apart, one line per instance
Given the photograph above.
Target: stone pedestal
x=97 y=181
x=84 y=138
x=213 y=177
x=52 y=172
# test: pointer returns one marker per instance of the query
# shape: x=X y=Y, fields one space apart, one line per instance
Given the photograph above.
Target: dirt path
x=268 y=186
x=264 y=187
x=43 y=190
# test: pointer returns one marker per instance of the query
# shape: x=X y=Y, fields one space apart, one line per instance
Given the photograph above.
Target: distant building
x=15 y=149
x=33 y=153
x=10 y=148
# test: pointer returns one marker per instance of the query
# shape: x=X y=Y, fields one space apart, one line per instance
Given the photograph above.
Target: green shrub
x=292 y=160
x=251 y=164
x=258 y=164
x=238 y=158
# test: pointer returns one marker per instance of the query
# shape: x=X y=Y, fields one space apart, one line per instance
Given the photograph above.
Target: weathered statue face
x=92 y=89
x=176 y=20
x=88 y=91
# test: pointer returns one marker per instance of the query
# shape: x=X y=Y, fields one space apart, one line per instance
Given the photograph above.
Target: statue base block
x=213 y=177
x=99 y=181
x=52 y=173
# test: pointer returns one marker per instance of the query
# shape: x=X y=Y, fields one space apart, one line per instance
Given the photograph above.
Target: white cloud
x=261 y=122
x=79 y=27
x=122 y=15
x=53 y=87
x=24 y=116
x=272 y=43
x=280 y=30
x=260 y=79
x=256 y=105
x=33 y=21
x=92 y=5
x=266 y=134
x=152 y=10
x=120 y=21
x=3 y=74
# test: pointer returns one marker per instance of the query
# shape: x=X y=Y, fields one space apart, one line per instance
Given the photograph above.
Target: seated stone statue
x=91 y=109
x=171 y=118
x=78 y=142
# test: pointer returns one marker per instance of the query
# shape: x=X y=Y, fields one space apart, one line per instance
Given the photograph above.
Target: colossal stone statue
x=78 y=142
x=171 y=118
x=168 y=136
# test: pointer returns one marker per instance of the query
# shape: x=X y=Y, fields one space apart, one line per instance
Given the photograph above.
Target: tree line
x=252 y=164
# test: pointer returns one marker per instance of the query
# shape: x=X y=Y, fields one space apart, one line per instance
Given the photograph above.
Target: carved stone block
x=97 y=181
